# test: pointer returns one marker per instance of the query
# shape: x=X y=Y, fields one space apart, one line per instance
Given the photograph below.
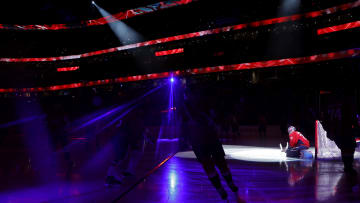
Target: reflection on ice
x=327 y=179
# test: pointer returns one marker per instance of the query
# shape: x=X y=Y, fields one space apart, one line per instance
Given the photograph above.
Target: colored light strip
x=169 y=52
x=142 y=179
x=104 y=20
x=312 y=14
x=316 y=138
x=243 y=66
x=337 y=28
x=65 y=69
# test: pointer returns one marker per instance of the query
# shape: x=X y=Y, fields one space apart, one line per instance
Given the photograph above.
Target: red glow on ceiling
x=65 y=69
x=337 y=28
x=312 y=14
x=220 y=53
x=324 y=92
x=169 y=52
x=243 y=66
x=104 y=20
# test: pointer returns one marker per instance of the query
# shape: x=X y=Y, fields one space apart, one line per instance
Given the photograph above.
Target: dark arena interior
x=180 y=101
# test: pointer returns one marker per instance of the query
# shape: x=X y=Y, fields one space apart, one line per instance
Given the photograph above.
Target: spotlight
x=172 y=79
x=93 y=2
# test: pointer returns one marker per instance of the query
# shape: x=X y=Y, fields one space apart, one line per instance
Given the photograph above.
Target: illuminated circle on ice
x=248 y=153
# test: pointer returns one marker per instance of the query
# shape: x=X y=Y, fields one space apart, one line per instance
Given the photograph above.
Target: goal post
x=324 y=147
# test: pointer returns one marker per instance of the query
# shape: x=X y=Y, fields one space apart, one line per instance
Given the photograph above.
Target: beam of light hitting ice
x=123 y=32
x=173 y=182
x=169 y=116
x=171 y=100
x=266 y=22
x=157 y=149
x=22 y=121
x=349 y=53
x=250 y=153
x=174 y=179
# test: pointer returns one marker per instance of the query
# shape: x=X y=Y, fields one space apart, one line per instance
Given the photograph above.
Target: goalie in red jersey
x=298 y=144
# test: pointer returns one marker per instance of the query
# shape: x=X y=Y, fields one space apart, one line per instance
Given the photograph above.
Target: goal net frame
x=325 y=148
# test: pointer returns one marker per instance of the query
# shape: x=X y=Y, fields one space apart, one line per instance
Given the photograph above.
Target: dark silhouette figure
x=346 y=139
x=205 y=142
x=342 y=125
x=129 y=143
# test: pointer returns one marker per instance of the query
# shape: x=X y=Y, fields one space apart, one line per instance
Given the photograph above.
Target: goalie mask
x=291 y=129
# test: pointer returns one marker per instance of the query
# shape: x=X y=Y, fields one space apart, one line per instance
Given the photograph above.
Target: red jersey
x=297 y=139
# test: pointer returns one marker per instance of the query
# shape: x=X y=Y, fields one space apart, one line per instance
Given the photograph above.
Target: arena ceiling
x=60 y=11
x=233 y=48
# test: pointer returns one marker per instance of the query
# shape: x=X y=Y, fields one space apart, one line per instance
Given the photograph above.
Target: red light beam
x=169 y=52
x=338 y=28
x=65 y=69
x=204 y=70
x=312 y=14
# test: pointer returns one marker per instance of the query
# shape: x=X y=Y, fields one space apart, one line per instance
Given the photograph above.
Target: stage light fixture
x=172 y=79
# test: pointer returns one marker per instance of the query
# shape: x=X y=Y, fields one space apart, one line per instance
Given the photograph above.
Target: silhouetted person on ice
x=205 y=143
x=129 y=145
x=342 y=126
x=345 y=140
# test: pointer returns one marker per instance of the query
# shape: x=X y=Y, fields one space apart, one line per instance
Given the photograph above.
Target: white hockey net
x=326 y=148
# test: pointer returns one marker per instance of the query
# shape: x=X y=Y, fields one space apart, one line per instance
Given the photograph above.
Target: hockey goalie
x=299 y=145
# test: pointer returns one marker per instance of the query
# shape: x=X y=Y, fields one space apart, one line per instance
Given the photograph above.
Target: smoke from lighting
x=123 y=32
